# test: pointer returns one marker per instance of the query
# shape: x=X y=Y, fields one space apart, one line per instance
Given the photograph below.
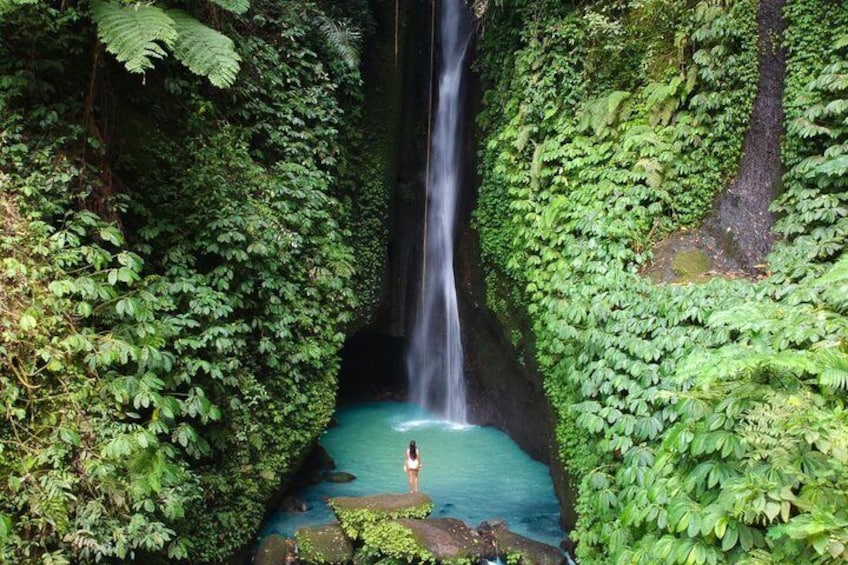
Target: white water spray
x=434 y=362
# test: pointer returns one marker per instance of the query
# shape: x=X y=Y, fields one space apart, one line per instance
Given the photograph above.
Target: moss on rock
x=690 y=264
x=327 y=544
x=394 y=540
x=355 y=513
x=445 y=540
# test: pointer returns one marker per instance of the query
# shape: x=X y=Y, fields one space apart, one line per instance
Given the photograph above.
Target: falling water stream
x=434 y=360
x=471 y=473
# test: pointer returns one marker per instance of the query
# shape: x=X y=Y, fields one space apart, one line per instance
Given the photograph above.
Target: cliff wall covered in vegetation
x=191 y=219
x=698 y=418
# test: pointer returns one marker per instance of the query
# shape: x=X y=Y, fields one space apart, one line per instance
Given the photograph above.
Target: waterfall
x=434 y=360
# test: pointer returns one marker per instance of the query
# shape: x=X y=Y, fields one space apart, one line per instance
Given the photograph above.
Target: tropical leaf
x=205 y=51
x=136 y=34
x=343 y=38
x=234 y=6
x=835 y=167
x=834 y=369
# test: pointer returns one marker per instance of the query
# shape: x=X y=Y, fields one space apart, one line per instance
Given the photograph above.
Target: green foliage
x=343 y=37
x=341 y=140
x=395 y=541
x=813 y=210
x=134 y=33
x=138 y=33
x=234 y=6
x=612 y=125
x=356 y=515
x=166 y=360
x=204 y=51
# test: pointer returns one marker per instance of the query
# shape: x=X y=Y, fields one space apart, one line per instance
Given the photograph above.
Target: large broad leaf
x=204 y=51
x=135 y=34
x=835 y=167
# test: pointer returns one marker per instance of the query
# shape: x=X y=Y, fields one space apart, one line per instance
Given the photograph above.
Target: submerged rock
x=338 y=477
x=529 y=552
x=327 y=544
x=355 y=513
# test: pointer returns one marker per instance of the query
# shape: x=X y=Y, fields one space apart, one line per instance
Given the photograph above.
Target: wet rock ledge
x=397 y=527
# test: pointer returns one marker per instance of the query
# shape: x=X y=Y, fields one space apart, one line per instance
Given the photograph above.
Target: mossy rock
x=355 y=513
x=443 y=540
x=513 y=547
x=274 y=550
x=690 y=264
x=327 y=544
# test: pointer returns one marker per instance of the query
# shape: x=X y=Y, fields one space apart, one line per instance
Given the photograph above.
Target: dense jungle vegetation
x=189 y=224
x=193 y=216
x=703 y=423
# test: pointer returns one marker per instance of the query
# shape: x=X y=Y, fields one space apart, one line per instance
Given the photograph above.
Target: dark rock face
x=741 y=220
x=504 y=388
x=293 y=504
x=372 y=367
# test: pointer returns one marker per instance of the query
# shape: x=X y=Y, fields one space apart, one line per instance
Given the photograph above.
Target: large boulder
x=446 y=540
x=355 y=513
x=512 y=547
x=323 y=545
x=274 y=550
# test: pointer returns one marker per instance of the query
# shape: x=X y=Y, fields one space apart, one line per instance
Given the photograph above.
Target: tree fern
x=135 y=34
x=204 y=51
x=342 y=37
x=834 y=369
x=234 y=6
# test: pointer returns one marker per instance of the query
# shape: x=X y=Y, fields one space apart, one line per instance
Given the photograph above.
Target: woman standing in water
x=412 y=465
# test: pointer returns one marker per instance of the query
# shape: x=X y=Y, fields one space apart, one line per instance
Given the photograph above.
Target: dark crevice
x=742 y=218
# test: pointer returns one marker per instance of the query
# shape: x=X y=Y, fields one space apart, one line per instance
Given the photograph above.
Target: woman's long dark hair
x=413 y=450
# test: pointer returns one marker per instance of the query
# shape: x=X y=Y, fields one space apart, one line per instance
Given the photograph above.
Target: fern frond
x=135 y=34
x=652 y=170
x=234 y=6
x=8 y=6
x=343 y=38
x=205 y=51
x=835 y=284
x=834 y=369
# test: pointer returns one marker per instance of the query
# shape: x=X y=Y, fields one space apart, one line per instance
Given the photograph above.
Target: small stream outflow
x=434 y=360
